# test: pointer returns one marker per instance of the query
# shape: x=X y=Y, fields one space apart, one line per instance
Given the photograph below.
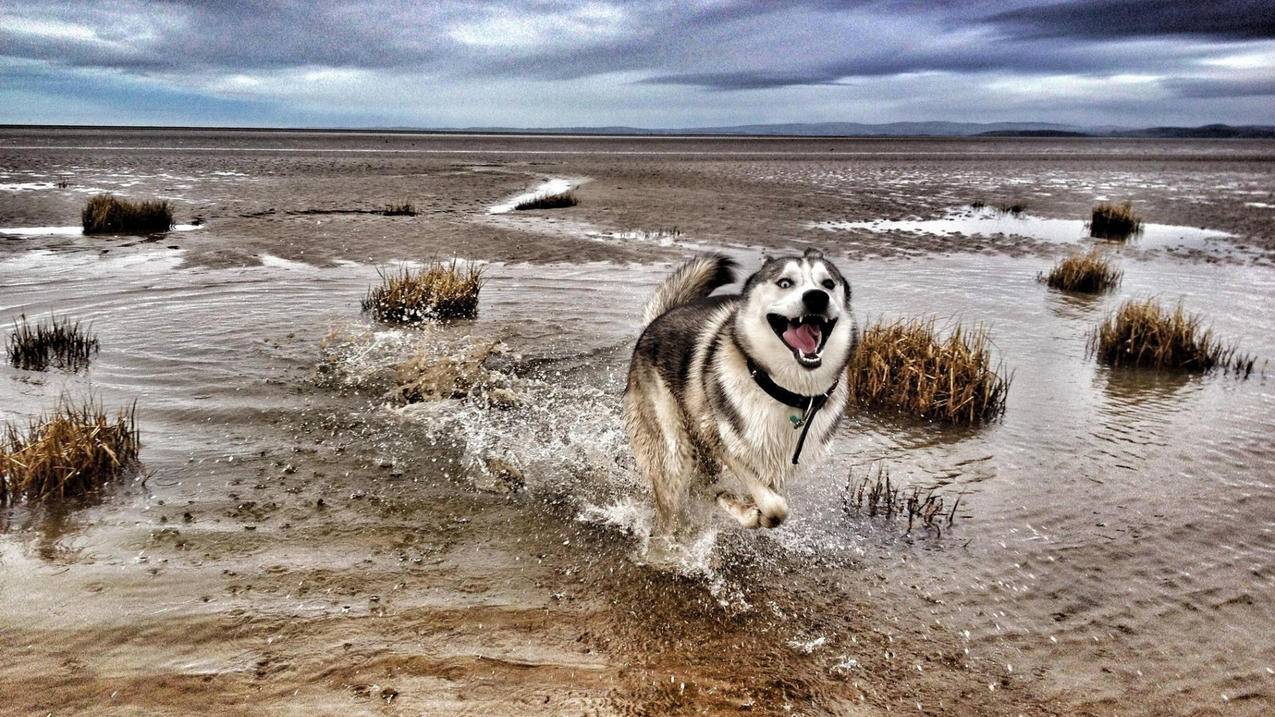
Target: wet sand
x=298 y=547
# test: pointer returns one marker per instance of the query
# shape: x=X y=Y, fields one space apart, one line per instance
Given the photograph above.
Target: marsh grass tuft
x=108 y=214
x=440 y=291
x=1114 y=221
x=399 y=210
x=875 y=495
x=549 y=201
x=1013 y=208
x=69 y=453
x=1143 y=333
x=1085 y=272
x=906 y=367
x=56 y=342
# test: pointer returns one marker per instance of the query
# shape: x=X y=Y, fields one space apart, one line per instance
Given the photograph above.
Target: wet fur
x=698 y=423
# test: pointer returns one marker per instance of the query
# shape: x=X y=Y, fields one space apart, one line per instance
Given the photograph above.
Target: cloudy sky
x=648 y=64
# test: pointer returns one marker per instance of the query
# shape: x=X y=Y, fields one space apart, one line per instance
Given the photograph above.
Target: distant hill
x=815 y=129
x=1208 y=131
x=1034 y=133
x=910 y=129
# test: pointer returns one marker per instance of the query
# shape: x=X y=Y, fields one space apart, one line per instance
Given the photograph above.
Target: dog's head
x=796 y=317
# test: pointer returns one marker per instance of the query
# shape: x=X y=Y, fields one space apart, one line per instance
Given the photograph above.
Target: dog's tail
x=695 y=279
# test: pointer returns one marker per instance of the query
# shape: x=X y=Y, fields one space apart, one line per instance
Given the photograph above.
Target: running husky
x=727 y=393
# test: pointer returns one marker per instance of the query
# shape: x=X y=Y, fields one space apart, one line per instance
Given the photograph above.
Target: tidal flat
x=298 y=539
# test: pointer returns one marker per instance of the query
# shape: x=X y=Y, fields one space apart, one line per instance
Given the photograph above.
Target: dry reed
x=1085 y=272
x=1114 y=221
x=905 y=366
x=108 y=214
x=439 y=291
x=549 y=201
x=399 y=210
x=57 y=342
x=69 y=453
x=1142 y=333
x=875 y=495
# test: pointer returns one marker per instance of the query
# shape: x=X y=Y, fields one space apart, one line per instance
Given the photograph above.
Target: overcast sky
x=646 y=64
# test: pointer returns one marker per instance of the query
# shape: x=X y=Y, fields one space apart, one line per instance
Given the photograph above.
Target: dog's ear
x=812 y=254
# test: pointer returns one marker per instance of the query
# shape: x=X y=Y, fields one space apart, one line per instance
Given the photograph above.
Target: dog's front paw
x=773 y=508
x=746 y=514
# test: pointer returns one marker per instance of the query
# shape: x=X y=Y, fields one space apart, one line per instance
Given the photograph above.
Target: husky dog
x=726 y=394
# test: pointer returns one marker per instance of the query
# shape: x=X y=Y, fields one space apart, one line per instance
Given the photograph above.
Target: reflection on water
x=1074 y=306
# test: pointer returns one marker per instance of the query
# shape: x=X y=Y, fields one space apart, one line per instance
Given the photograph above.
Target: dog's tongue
x=803 y=337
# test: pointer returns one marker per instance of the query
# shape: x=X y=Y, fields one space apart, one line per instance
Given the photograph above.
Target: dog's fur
x=696 y=418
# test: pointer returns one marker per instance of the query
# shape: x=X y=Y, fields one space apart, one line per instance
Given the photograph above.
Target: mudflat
x=300 y=540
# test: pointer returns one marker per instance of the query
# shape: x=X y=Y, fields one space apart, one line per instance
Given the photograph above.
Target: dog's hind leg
x=661 y=445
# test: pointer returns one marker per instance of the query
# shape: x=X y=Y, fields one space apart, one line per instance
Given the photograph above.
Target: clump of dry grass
x=108 y=214
x=875 y=495
x=58 y=342
x=439 y=291
x=1114 y=221
x=1142 y=333
x=399 y=210
x=68 y=453
x=549 y=201
x=1086 y=272
x=907 y=367
x=1015 y=208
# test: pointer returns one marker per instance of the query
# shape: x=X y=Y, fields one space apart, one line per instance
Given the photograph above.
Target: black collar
x=809 y=405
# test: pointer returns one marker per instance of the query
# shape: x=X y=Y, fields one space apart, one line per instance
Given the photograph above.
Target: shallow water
x=985 y=222
x=1112 y=547
x=1119 y=524
x=550 y=186
x=1109 y=512
x=75 y=231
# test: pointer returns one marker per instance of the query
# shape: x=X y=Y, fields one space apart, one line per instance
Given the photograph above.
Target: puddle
x=987 y=222
x=26 y=186
x=552 y=186
x=275 y=262
x=76 y=231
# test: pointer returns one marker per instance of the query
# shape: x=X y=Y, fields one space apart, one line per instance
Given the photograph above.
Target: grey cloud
x=1100 y=19
x=227 y=35
x=746 y=44
x=665 y=48
x=1036 y=58
x=1204 y=88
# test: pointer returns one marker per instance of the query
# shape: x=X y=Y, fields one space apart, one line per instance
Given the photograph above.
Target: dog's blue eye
x=784 y=284
x=829 y=284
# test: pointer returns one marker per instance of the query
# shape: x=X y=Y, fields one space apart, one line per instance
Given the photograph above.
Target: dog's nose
x=815 y=300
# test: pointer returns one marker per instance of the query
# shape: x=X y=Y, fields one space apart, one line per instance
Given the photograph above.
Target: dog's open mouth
x=804 y=335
